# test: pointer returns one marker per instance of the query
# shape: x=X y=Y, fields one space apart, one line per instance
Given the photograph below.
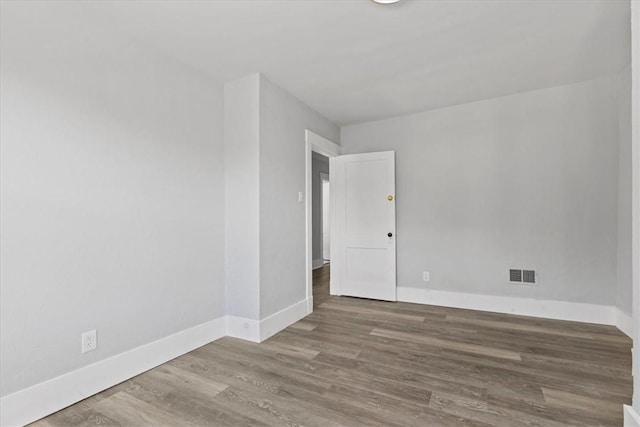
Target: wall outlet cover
x=89 y=341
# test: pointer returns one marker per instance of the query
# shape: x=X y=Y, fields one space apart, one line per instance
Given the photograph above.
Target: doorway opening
x=320 y=201
x=362 y=240
x=320 y=154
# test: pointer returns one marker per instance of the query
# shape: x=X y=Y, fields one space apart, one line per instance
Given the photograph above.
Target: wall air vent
x=528 y=276
x=522 y=276
x=515 y=275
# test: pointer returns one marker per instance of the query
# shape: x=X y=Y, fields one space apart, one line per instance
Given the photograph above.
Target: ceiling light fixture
x=385 y=1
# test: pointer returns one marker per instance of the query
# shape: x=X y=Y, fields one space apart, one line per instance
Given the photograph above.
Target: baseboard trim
x=243 y=328
x=561 y=310
x=631 y=417
x=317 y=263
x=40 y=400
x=278 y=321
x=624 y=322
x=259 y=330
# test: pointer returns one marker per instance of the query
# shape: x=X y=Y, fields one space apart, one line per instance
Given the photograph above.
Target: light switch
x=300 y=196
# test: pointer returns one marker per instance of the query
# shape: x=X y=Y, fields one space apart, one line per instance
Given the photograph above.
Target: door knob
x=389 y=234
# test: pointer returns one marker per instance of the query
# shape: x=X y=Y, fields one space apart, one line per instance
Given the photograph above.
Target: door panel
x=366 y=259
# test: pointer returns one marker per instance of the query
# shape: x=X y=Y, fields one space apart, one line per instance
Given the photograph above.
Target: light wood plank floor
x=360 y=362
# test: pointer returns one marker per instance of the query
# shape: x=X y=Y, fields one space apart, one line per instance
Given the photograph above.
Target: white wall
x=526 y=181
x=242 y=187
x=319 y=164
x=111 y=180
x=283 y=120
x=624 y=299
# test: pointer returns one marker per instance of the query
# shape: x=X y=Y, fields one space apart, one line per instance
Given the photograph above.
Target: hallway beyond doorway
x=321 y=285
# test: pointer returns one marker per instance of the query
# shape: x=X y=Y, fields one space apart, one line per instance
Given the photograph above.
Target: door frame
x=320 y=145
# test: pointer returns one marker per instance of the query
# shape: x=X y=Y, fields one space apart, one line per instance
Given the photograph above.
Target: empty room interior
x=320 y=213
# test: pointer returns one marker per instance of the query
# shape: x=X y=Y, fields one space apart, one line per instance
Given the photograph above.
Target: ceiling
x=355 y=61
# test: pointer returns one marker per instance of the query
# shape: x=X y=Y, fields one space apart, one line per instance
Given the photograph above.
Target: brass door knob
x=389 y=197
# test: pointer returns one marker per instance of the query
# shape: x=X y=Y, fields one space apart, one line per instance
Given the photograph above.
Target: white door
x=365 y=262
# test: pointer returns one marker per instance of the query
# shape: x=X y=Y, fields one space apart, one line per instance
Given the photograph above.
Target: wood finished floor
x=357 y=362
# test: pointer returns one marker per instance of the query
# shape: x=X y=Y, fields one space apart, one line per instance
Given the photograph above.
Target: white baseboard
x=624 y=322
x=245 y=329
x=283 y=318
x=631 y=417
x=317 y=263
x=561 y=310
x=258 y=331
x=40 y=400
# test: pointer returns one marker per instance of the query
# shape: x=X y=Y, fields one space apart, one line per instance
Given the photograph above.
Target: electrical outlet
x=89 y=341
x=425 y=276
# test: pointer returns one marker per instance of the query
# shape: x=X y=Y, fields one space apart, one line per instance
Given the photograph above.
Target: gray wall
x=111 y=178
x=624 y=299
x=319 y=164
x=242 y=188
x=265 y=170
x=528 y=181
x=283 y=120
